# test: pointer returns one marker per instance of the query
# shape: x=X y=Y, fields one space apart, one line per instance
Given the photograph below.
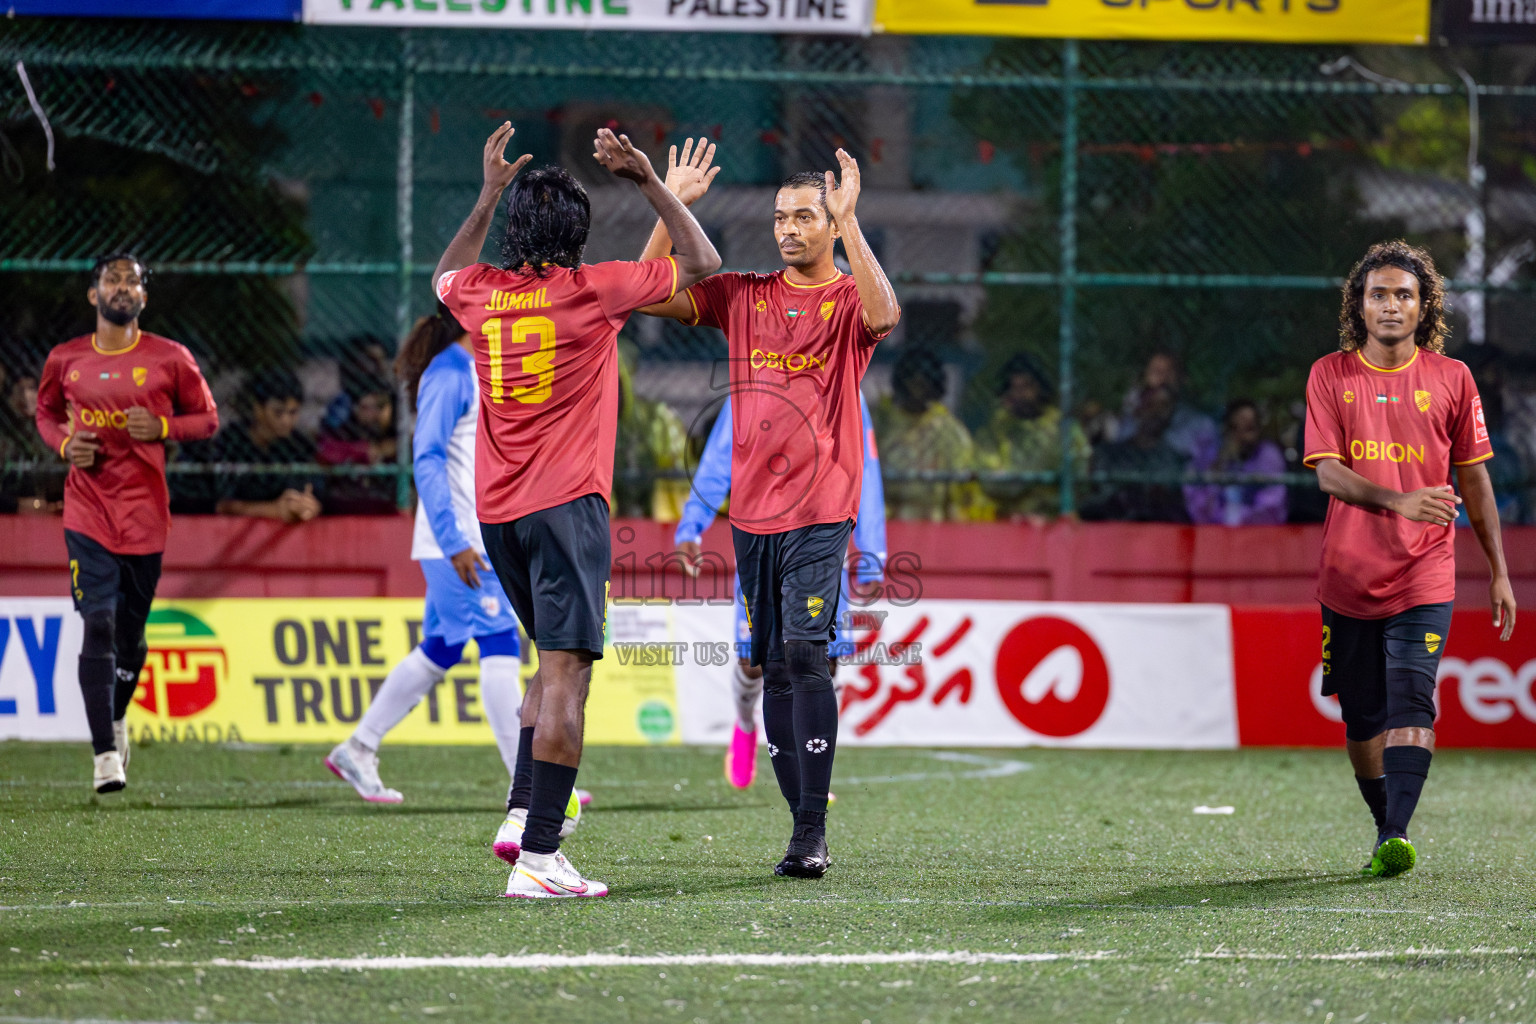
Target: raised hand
x=690 y=177
x=499 y=173
x=619 y=156
x=842 y=196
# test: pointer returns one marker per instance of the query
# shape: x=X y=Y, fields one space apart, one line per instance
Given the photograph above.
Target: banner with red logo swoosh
x=1485 y=694
x=1002 y=673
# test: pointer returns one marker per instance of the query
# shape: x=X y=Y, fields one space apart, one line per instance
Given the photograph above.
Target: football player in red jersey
x=107 y=404
x=545 y=329
x=1389 y=417
x=800 y=340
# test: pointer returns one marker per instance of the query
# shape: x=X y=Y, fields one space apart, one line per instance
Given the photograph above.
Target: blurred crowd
x=321 y=439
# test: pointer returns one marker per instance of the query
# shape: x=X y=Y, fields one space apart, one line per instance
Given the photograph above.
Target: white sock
x=746 y=691
x=403 y=689
x=502 y=695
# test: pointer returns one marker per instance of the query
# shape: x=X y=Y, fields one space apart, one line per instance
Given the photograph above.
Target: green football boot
x=1394 y=856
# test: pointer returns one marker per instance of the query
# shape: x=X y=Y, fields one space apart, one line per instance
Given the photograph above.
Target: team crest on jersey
x=813 y=605
x=1349 y=396
x=762 y=305
x=1421 y=399
x=826 y=309
x=74 y=375
x=140 y=375
x=1432 y=642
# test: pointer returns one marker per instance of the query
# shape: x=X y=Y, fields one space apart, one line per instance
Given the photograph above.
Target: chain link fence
x=1066 y=223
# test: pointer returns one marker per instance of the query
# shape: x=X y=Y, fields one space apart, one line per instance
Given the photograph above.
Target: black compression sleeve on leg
x=1375 y=793
x=815 y=715
x=1407 y=767
x=97 y=669
x=552 y=785
x=779 y=728
x=522 y=772
x=130 y=663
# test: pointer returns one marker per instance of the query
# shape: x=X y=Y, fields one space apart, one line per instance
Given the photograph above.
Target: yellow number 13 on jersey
x=540 y=364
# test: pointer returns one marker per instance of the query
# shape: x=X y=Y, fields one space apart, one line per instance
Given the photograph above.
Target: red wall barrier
x=213 y=556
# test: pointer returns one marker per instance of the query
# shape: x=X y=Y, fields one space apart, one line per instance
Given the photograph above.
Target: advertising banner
x=232 y=10
x=1004 y=674
x=1485 y=693
x=280 y=671
x=843 y=17
x=1490 y=21
x=1269 y=21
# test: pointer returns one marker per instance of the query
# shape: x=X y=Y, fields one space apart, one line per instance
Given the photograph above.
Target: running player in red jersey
x=800 y=340
x=545 y=329
x=1388 y=419
x=107 y=404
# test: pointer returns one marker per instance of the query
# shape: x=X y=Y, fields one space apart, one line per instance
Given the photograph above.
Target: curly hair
x=548 y=215
x=1432 y=330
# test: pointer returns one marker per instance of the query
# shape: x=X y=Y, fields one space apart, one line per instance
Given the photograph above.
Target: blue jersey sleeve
x=711 y=481
x=444 y=395
x=869 y=531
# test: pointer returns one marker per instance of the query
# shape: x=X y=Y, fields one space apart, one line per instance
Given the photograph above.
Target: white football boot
x=110 y=776
x=356 y=764
x=543 y=876
x=509 y=836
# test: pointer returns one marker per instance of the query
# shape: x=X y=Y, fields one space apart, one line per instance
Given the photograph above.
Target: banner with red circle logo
x=1001 y=673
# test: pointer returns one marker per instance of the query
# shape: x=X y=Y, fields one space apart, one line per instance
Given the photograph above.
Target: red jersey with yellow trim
x=1404 y=429
x=121 y=501
x=797 y=354
x=547 y=359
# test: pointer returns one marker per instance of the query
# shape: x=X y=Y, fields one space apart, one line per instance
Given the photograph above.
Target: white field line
x=563 y=961
x=830 y=901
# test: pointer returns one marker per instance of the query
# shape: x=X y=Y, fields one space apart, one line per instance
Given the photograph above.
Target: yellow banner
x=280 y=671
x=1271 y=21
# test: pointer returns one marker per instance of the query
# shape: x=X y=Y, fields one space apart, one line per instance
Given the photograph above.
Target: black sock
x=126 y=682
x=1375 y=793
x=552 y=785
x=96 y=684
x=522 y=772
x=1407 y=767
x=815 y=716
x=779 y=728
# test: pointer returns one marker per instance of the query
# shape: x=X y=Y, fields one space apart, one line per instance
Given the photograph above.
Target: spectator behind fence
x=1242 y=451
x=1190 y=432
x=1023 y=435
x=270 y=410
x=651 y=444
x=1491 y=372
x=917 y=432
x=1146 y=451
x=37 y=490
x=366 y=438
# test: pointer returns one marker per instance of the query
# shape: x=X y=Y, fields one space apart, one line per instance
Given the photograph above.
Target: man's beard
x=122 y=316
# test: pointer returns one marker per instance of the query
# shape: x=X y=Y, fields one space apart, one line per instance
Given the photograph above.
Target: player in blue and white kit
x=464 y=598
x=711 y=485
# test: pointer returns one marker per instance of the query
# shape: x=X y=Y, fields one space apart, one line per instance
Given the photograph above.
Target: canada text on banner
x=846 y=17
x=1273 y=21
x=270 y=671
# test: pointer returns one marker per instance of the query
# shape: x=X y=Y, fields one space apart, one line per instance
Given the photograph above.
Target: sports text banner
x=848 y=17
x=280 y=671
x=1272 y=21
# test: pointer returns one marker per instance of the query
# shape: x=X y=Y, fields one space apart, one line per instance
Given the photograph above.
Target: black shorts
x=554 y=566
x=104 y=581
x=1384 y=670
x=790 y=584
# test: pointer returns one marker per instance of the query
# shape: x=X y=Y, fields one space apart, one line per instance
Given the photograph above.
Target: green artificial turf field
x=1082 y=885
